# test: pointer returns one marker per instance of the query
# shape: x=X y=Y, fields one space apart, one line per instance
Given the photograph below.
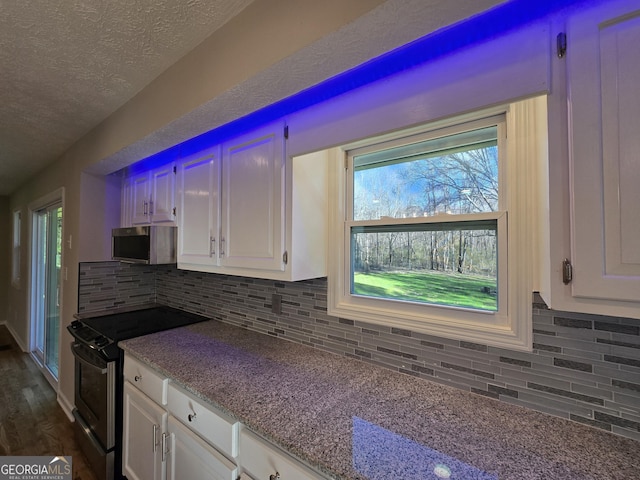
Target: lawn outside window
x=431 y=227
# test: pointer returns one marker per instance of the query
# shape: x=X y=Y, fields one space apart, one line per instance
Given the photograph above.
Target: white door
x=252 y=213
x=198 y=206
x=162 y=203
x=140 y=196
x=603 y=72
x=190 y=457
x=143 y=425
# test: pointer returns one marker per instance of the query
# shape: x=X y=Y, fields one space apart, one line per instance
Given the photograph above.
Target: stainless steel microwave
x=151 y=245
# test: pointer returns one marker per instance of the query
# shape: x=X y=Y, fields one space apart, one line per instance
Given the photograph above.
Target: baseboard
x=66 y=405
x=15 y=336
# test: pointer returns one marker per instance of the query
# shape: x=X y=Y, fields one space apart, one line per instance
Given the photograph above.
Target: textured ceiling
x=65 y=65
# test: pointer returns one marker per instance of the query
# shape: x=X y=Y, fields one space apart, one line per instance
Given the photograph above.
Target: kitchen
x=89 y=201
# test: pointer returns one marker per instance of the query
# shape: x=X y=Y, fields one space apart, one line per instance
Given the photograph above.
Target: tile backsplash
x=583 y=367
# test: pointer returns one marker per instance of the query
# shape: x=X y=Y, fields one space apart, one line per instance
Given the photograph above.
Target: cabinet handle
x=150 y=207
x=212 y=246
x=145 y=208
x=155 y=438
x=191 y=417
x=164 y=446
x=274 y=477
x=137 y=378
x=221 y=246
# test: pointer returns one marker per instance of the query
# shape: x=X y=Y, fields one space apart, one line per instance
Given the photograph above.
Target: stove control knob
x=101 y=341
x=76 y=324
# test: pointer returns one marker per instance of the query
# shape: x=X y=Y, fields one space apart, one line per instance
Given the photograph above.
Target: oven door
x=95 y=391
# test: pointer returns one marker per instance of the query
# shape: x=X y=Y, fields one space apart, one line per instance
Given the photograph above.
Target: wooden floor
x=31 y=421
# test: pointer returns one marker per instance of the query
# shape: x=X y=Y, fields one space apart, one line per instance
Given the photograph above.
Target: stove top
x=103 y=332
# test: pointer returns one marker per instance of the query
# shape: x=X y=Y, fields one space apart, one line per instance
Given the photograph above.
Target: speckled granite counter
x=352 y=420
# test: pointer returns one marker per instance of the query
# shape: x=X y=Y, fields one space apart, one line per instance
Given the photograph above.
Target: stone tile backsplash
x=583 y=367
x=108 y=285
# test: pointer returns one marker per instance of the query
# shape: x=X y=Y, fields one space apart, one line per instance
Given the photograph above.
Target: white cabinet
x=190 y=457
x=149 y=197
x=603 y=74
x=252 y=202
x=144 y=423
x=202 y=441
x=198 y=195
x=245 y=208
x=168 y=434
x=262 y=460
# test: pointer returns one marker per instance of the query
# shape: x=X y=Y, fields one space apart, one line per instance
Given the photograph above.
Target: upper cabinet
x=198 y=208
x=604 y=74
x=149 y=197
x=245 y=208
x=252 y=208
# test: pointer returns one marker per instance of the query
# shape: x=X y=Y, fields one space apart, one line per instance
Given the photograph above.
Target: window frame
x=520 y=157
x=498 y=215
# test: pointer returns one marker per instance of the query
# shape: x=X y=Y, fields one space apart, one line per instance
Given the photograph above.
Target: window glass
x=453 y=174
x=420 y=232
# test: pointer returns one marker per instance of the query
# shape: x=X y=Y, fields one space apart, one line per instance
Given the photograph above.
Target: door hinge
x=567 y=271
x=286 y=132
x=561 y=44
x=285 y=257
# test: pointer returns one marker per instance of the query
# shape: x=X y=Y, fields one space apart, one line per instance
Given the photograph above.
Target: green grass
x=459 y=290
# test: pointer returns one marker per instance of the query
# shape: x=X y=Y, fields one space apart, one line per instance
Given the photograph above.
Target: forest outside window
x=433 y=229
x=425 y=220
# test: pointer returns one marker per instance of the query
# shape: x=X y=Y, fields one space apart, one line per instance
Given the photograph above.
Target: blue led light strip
x=480 y=28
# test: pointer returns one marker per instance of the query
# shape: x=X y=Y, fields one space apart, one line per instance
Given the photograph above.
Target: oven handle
x=85 y=360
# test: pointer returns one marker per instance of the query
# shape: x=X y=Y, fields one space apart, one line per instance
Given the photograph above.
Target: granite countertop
x=353 y=420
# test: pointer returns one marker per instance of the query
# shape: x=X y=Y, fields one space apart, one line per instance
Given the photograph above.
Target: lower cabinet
x=144 y=424
x=169 y=434
x=190 y=457
x=263 y=461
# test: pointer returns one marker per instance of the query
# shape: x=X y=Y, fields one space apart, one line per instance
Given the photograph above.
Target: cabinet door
x=603 y=72
x=140 y=195
x=262 y=460
x=190 y=457
x=162 y=203
x=198 y=203
x=252 y=203
x=143 y=424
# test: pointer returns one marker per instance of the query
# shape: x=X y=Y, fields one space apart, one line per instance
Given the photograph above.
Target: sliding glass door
x=47 y=262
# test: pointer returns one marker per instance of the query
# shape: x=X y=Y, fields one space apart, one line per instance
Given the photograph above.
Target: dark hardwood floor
x=31 y=421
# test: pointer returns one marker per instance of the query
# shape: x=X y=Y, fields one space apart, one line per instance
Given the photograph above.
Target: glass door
x=47 y=263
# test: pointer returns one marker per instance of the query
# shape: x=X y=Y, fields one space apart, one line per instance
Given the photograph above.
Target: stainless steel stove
x=98 y=378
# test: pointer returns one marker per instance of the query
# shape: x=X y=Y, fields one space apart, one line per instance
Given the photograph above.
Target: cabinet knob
x=137 y=378
x=191 y=417
x=274 y=477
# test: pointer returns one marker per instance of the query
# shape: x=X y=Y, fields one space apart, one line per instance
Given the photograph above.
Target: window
x=15 y=245
x=431 y=228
